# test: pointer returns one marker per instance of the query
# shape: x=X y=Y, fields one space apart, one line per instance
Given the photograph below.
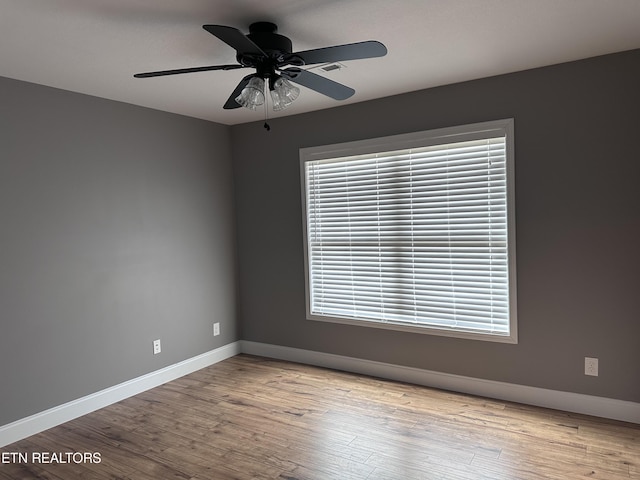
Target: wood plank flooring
x=255 y=418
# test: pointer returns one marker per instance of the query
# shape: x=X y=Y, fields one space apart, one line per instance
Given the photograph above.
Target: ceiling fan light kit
x=277 y=66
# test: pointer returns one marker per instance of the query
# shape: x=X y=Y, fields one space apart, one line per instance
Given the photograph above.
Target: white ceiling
x=95 y=46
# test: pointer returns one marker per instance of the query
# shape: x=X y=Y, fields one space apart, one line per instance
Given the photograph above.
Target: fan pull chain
x=266 y=110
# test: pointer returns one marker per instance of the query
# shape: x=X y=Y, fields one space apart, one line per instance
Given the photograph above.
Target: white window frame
x=499 y=128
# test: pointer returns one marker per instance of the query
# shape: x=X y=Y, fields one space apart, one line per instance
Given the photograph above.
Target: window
x=414 y=232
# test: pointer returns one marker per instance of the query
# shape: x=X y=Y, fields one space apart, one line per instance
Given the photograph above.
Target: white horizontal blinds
x=416 y=236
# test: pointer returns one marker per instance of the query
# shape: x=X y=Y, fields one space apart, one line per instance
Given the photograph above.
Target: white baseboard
x=567 y=401
x=39 y=422
x=570 y=402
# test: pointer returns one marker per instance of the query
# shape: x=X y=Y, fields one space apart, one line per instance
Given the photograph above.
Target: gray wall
x=578 y=226
x=116 y=228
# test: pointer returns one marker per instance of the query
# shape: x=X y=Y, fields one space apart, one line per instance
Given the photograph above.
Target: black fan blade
x=319 y=84
x=231 y=101
x=339 y=53
x=235 y=39
x=187 y=70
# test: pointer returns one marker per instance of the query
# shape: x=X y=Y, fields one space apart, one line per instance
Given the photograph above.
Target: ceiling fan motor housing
x=264 y=35
x=276 y=46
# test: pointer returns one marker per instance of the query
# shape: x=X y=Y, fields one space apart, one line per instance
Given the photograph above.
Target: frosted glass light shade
x=283 y=94
x=252 y=95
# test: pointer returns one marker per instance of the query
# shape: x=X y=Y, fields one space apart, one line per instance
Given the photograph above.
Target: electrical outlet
x=591 y=366
x=216 y=329
x=156 y=347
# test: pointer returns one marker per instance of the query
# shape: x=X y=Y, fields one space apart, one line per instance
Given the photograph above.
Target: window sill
x=423 y=330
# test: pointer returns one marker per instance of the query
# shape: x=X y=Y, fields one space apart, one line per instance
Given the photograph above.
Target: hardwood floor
x=254 y=418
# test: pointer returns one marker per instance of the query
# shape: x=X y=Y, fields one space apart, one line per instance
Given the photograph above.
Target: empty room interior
x=353 y=240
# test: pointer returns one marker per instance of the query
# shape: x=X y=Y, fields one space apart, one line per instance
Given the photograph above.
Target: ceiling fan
x=276 y=65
